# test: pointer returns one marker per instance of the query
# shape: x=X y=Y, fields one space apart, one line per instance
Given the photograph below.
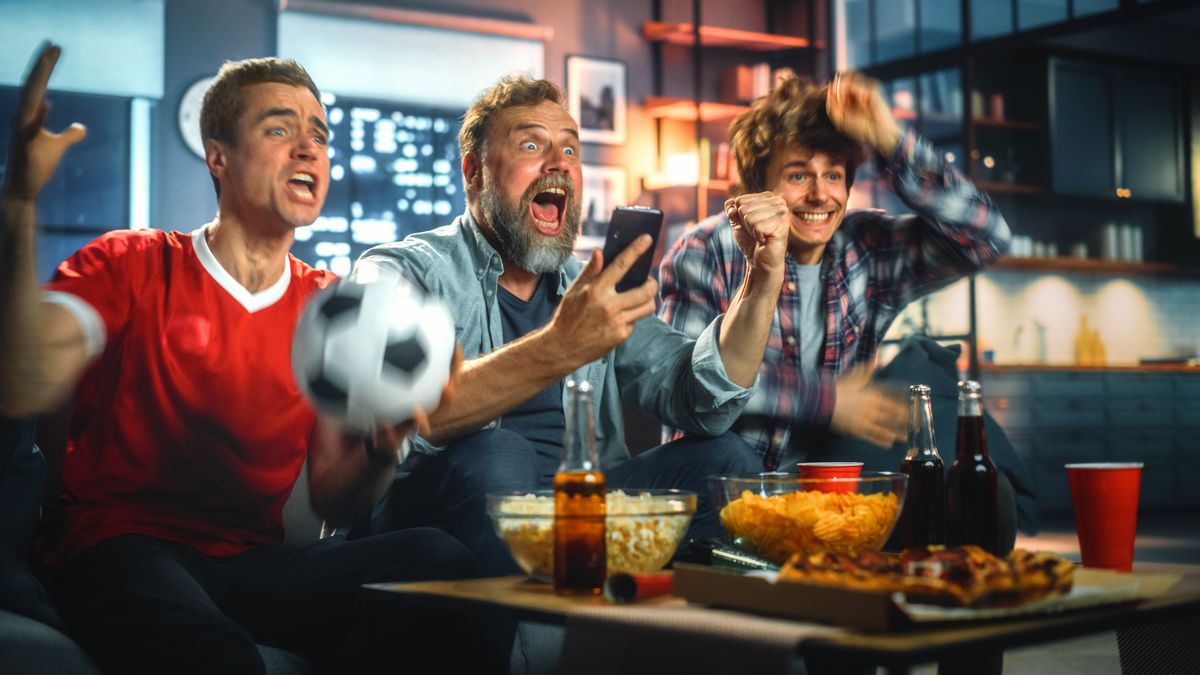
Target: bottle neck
x=579 y=434
x=970 y=406
x=921 y=441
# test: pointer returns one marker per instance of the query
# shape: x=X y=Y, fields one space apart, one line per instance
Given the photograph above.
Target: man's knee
x=491 y=460
x=425 y=553
x=727 y=453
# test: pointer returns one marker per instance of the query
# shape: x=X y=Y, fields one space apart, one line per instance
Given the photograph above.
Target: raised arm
x=42 y=346
x=760 y=230
x=955 y=229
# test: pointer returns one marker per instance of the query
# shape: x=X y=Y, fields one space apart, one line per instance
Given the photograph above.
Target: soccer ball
x=370 y=353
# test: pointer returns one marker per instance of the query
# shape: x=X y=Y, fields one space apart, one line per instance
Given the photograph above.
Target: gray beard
x=517 y=241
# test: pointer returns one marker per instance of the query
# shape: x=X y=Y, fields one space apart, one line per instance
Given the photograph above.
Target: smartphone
x=627 y=223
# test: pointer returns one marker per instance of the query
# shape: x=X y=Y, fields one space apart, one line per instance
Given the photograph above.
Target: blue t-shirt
x=540 y=419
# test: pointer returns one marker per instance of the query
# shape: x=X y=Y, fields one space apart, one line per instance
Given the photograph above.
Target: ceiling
x=1169 y=37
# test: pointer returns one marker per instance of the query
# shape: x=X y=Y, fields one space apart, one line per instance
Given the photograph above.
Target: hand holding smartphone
x=628 y=222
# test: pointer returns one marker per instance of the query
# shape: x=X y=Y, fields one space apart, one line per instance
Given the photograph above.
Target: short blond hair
x=792 y=114
x=510 y=91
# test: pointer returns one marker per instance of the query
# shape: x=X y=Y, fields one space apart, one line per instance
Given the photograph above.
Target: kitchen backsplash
x=1035 y=318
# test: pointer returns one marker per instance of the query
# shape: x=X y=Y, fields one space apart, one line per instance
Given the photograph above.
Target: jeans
x=143 y=605
x=448 y=491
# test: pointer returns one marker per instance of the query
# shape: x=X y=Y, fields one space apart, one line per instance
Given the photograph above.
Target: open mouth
x=302 y=185
x=547 y=208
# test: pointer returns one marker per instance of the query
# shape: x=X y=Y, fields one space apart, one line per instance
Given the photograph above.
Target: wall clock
x=189 y=115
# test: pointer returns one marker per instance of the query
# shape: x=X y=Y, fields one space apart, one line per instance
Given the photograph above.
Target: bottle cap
x=919 y=390
x=969 y=388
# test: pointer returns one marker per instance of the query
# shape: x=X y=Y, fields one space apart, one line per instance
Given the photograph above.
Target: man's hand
x=392 y=436
x=760 y=229
x=593 y=318
x=864 y=411
x=858 y=111
x=35 y=152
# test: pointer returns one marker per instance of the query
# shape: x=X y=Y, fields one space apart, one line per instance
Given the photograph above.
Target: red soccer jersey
x=189 y=426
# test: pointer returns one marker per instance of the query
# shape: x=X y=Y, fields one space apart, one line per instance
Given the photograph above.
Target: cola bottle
x=923 y=518
x=579 y=502
x=971 y=496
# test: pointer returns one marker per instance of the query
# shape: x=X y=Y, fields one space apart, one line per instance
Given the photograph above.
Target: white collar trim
x=253 y=302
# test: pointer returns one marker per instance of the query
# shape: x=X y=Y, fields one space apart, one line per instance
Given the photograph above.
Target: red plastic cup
x=844 y=473
x=1105 y=498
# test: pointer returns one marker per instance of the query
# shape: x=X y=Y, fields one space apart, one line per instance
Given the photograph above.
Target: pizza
x=964 y=576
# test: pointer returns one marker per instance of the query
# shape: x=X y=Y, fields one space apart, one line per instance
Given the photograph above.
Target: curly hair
x=792 y=114
x=223 y=102
x=509 y=92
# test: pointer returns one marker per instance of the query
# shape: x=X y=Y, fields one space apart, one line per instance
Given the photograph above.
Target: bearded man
x=528 y=316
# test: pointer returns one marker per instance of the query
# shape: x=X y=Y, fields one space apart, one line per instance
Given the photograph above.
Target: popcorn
x=643 y=532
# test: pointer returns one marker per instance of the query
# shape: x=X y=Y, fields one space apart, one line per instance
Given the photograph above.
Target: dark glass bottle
x=923 y=519
x=971 y=498
x=579 y=502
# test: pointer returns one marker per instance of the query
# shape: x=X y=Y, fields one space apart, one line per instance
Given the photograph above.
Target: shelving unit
x=684 y=110
x=684 y=35
x=700 y=109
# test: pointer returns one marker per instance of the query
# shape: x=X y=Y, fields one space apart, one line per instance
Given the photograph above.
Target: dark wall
x=202 y=34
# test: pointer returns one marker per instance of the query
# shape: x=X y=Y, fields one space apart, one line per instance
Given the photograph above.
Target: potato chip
x=810 y=521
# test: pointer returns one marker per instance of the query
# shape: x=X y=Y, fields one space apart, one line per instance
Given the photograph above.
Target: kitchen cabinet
x=1115 y=132
x=1054 y=417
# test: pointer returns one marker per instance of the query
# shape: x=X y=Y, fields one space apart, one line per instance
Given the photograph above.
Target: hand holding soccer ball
x=370 y=354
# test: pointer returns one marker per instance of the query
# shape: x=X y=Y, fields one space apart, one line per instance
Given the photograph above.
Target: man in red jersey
x=164 y=550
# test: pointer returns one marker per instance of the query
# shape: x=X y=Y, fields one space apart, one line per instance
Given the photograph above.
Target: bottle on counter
x=923 y=518
x=972 y=509
x=579 y=502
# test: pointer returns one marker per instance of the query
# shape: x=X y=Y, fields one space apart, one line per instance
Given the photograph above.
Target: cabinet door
x=1081 y=129
x=1150 y=160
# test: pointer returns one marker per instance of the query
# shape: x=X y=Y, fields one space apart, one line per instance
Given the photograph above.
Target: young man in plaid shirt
x=848 y=274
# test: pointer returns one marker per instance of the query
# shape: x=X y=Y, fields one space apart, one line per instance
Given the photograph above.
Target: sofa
x=33 y=638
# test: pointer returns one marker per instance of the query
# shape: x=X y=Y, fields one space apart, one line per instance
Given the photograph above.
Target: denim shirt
x=679 y=380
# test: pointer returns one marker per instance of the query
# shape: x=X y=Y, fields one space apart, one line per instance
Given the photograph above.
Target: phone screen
x=627 y=223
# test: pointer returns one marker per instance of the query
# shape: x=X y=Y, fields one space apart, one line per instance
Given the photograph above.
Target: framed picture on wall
x=603 y=190
x=596 y=98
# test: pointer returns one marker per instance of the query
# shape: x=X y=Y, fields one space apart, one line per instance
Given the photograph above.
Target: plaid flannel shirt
x=874 y=265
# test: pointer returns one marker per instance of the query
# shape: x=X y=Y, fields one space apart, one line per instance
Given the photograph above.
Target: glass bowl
x=775 y=515
x=643 y=527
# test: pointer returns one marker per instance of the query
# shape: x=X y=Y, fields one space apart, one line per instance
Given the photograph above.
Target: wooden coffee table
x=521 y=599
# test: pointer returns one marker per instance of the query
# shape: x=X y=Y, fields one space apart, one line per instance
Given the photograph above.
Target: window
x=89 y=194
x=394 y=170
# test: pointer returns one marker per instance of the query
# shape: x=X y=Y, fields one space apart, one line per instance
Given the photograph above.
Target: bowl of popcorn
x=775 y=515
x=643 y=528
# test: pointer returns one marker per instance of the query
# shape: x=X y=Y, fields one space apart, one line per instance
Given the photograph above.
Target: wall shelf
x=1005 y=124
x=1011 y=188
x=685 y=109
x=1087 y=266
x=682 y=34
x=712 y=185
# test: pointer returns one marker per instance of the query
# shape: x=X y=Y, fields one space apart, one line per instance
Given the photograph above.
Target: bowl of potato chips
x=642 y=527
x=775 y=515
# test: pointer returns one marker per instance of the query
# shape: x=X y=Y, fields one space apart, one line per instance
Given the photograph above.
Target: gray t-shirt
x=812 y=318
x=811 y=326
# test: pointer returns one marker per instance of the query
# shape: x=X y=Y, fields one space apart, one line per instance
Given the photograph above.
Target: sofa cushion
x=22 y=475
x=33 y=648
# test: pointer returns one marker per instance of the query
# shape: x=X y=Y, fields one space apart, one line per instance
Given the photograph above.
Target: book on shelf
x=744 y=83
